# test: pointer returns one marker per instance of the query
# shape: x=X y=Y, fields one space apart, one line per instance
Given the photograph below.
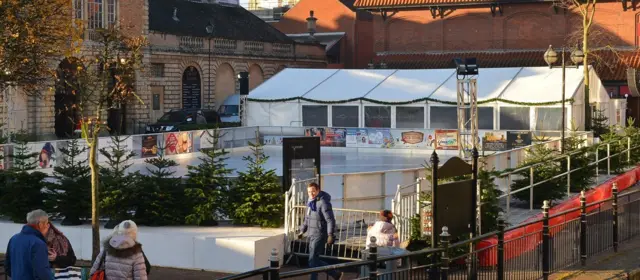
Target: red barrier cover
x=527 y=238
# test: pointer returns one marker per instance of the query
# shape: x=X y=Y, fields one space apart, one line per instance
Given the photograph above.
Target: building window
x=344 y=116
x=409 y=117
x=485 y=117
x=97 y=13
x=549 y=118
x=617 y=91
x=157 y=70
x=377 y=116
x=516 y=118
x=314 y=115
x=443 y=117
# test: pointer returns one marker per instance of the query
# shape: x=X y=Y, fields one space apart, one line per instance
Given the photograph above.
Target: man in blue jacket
x=319 y=224
x=27 y=254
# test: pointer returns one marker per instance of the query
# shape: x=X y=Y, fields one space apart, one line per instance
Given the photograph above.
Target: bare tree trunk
x=95 y=184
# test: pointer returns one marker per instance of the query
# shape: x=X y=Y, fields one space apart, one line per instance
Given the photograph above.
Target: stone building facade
x=179 y=45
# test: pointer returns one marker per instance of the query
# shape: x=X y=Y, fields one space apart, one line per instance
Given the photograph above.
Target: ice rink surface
x=332 y=160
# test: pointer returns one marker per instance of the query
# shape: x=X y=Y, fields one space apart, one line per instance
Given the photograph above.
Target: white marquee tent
x=523 y=98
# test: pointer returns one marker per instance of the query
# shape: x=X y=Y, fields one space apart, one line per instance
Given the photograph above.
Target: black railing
x=532 y=250
x=3 y=270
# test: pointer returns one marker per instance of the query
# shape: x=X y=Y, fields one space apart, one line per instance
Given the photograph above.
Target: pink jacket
x=384 y=233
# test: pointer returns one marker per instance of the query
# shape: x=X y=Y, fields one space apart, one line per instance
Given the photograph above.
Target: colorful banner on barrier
x=518 y=139
x=389 y=138
x=149 y=146
x=329 y=136
x=178 y=143
x=47 y=154
x=494 y=141
x=272 y=140
x=446 y=139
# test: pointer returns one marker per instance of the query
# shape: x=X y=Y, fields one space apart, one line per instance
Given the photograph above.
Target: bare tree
x=103 y=77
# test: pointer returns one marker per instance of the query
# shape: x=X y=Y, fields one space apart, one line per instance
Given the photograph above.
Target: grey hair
x=36 y=216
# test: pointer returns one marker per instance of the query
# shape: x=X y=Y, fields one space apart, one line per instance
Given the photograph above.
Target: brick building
x=185 y=65
x=334 y=16
x=499 y=33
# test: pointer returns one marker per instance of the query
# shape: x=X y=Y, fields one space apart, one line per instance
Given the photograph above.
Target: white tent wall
x=614 y=109
x=516 y=91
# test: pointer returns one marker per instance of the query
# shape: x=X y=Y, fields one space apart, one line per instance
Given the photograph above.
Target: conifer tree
x=490 y=203
x=633 y=133
x=159 y=196
x=599 y=123
x=259 y=194
x=117 y=185
x=550 y=190
x=207 y=187
x=617 y=143
x=580 y=156
x=21 y=190
x=70 y=195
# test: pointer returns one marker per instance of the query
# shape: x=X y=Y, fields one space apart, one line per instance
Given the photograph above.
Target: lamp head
x=577 y=56
x=550 y=56
x=209 y=28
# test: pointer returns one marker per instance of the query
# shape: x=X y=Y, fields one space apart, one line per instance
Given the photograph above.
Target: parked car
x=185 y=119
x=229 y=111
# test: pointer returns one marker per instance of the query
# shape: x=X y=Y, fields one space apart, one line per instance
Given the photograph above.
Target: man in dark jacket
x=27 y=256
x=319 y=224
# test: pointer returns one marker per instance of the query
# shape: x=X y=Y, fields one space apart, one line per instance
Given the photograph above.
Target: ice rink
x=332 y=161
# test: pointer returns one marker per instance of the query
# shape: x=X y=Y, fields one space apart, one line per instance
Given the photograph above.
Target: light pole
x=209 y=29
x=550 y=56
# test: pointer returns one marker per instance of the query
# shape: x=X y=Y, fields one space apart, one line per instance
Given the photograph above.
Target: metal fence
x=532 y=250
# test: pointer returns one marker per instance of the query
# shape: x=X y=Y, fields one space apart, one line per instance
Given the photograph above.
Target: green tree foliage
x=259 y=198
x=159 y=196
x=633 y=133
x=21 y=190
x=207 y=186
x=70 y=195
x=548 y=168
x=599 y=123
x=117 y=200
x=490 y=203
x=580 y=156
x=616 y=143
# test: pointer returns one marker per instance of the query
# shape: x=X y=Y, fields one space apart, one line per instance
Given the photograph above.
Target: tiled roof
x=418 y=3
x=610 y=65
x=230 y=22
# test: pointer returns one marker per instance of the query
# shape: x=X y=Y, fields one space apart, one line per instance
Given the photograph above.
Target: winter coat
x=123 y=259
x=384 y=234
x=62 y=261
x=27 y=256
x=320 y=222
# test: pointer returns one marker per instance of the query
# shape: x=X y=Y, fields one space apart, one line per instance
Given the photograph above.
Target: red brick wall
x=132 y=16
x=522 y=26
x=332 y=16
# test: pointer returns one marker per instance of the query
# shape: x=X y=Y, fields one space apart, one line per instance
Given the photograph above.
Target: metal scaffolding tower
x=467 y=115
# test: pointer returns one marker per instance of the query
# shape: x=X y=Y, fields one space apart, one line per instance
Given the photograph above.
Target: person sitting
x=384 y=231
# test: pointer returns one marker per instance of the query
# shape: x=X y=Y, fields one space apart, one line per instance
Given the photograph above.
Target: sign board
x=191 y=89
x=446 y=139
x=300 y=159
x=518 y=139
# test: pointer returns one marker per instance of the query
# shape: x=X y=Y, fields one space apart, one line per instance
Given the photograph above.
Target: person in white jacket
x=384 y=231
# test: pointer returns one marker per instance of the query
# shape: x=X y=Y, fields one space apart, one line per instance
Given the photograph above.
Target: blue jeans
x=316 y=246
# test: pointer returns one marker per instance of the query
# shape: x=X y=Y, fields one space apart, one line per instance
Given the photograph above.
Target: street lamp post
x=550 y=56
x=209 y=29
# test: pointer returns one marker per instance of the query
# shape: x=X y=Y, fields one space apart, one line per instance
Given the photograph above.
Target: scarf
x=57 y=241
x=312 y=204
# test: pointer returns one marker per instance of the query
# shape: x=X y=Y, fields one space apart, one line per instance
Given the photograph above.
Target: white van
x=229 y=111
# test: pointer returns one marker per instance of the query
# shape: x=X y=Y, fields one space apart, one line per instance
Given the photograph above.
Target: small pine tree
x=489 y=193
x=160 y=196
x=21 y=190
x=633 y=133
x=617 y=143
x=116 y=199
x=580 y=157
x=70 y=195
x=259 y=194
x=208 y=184
x=599 y=123
x=550 y=190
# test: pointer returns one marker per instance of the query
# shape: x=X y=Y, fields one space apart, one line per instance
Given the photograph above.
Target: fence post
x=274 y=266
x=444 y=241
x=373 y=256
x=583 y=228
x=608 y=159
x=501 y=227
x=568 y=176
x=530 y=188
x=546 y=246
x=614 y=206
